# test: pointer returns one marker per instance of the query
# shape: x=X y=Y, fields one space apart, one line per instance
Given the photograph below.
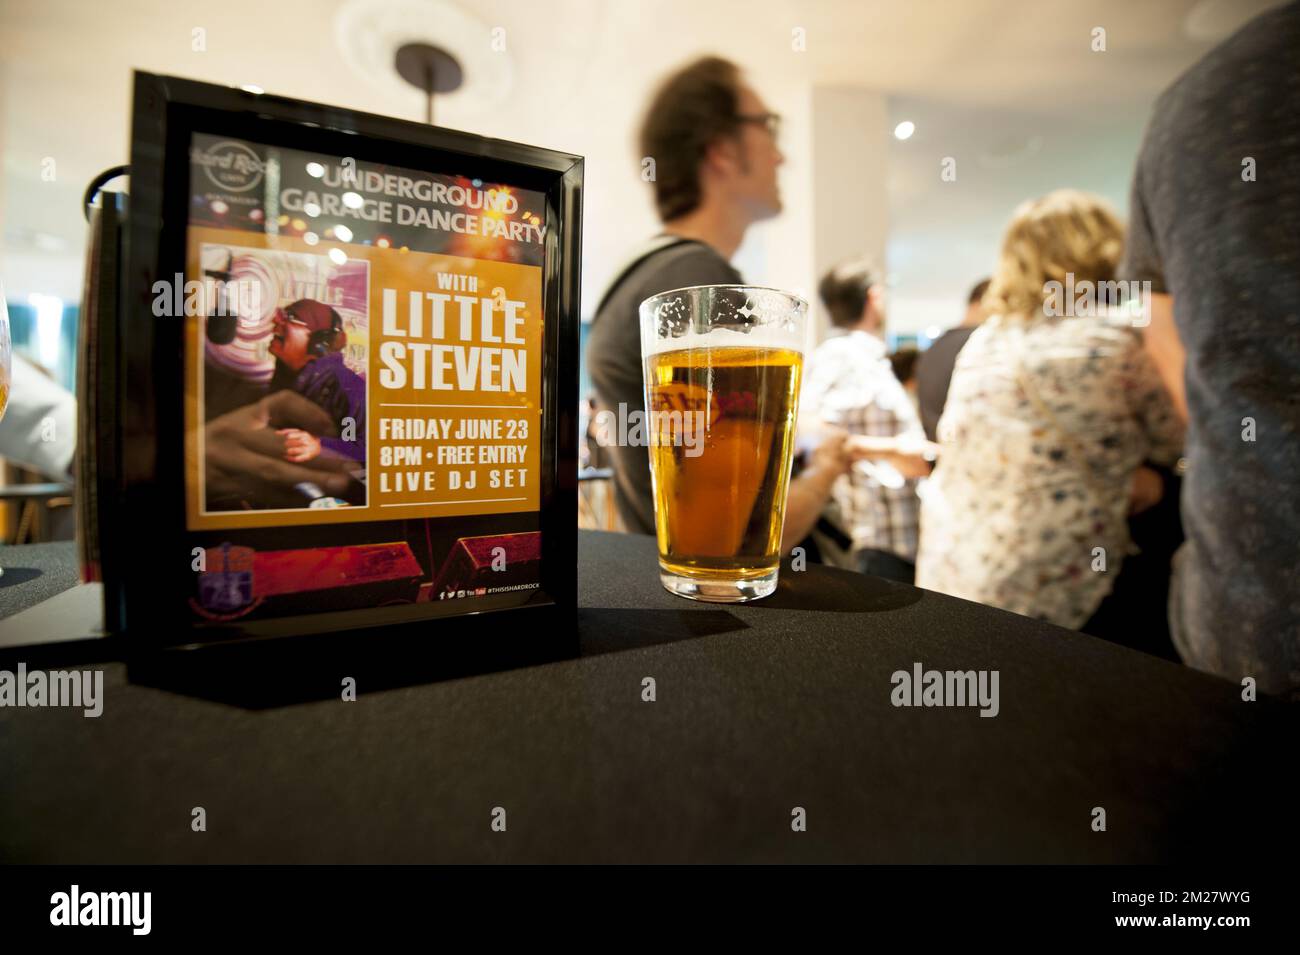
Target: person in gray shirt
x=934 y=367
x=710 y=151
x=1215 y=228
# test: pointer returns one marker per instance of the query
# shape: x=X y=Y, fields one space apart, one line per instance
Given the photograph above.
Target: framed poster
x=348 y=392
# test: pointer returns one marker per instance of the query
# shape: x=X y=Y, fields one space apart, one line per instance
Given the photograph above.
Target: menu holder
x=343 y=379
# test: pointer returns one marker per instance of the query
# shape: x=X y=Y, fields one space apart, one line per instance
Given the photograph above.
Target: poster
x=363 y=379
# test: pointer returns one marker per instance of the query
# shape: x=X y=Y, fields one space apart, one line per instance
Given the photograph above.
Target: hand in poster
x=246 y=453
x=299 y=446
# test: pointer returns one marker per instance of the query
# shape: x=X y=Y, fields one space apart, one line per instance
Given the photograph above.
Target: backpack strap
x=660 y=243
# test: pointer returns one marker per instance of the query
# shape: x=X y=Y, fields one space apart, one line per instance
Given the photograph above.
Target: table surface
x=760 y=710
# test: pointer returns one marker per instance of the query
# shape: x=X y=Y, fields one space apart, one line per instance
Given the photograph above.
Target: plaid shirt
x=850 y=384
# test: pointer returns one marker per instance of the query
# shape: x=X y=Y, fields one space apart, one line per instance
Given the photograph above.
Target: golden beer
x=720 y=423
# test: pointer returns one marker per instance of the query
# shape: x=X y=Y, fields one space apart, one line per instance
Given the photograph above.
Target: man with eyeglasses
x=709 y=148
x=307 y=341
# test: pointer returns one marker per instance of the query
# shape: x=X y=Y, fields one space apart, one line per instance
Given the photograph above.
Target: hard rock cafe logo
x=226 y=586
x=680 y=409
x=230 y=165
x=680 y=414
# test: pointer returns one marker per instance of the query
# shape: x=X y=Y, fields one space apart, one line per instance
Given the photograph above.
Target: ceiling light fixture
x=391 y=45
x=430 y=69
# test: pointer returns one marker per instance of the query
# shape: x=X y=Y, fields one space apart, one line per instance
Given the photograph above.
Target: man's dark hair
x=691 y=110
x=843 y=291
x=903 y=362
x=978 y=291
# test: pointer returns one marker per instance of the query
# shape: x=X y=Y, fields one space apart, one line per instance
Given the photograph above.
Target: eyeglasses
x=770 y=121
x=290 y=318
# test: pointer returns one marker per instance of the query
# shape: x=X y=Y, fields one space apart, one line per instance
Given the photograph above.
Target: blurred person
x=1136 y=611
x=1048 y=419
x=903 y=361
x=714 y=146
x=591 y=451
x=934 y=367
x=812 y=516
x=39 y=427
x=1216 y=231
x=850 y=384
x=820 y=460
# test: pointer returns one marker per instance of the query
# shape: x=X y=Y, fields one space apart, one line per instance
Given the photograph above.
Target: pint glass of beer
x=722 y=369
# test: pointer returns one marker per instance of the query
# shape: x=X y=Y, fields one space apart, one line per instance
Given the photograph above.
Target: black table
x=760 y=709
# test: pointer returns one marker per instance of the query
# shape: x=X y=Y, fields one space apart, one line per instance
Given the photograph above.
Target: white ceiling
x=980 y=78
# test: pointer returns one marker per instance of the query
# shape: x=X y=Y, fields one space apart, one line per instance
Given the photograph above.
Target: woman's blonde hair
x=1066 y=231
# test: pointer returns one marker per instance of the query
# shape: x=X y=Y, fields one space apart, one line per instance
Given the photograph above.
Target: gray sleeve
x=1142 y=261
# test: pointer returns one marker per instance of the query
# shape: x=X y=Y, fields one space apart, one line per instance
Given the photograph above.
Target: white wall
x=850 y=170
x=779 y=253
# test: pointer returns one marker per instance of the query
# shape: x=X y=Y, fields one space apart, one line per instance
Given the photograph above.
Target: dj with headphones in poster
x=307 y=341
x=304 y=443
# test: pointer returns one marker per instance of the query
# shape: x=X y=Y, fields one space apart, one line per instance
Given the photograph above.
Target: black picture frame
x=146 y=564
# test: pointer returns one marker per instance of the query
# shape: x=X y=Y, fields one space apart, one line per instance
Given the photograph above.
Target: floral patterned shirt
x=1027 y=510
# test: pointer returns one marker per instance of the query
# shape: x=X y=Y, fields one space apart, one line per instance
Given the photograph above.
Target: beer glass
x=722 y=370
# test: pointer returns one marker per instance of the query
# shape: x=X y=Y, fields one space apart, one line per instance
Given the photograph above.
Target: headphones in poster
x=329 y=339
x=322 y=341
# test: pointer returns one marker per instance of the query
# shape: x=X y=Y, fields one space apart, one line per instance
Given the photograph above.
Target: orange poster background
x=389 y=497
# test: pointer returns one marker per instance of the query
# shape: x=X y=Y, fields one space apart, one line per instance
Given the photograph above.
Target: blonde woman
x=1053 y=408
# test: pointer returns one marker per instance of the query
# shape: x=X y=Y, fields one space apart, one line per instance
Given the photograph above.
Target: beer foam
x=744 y=317
x=761 y=336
